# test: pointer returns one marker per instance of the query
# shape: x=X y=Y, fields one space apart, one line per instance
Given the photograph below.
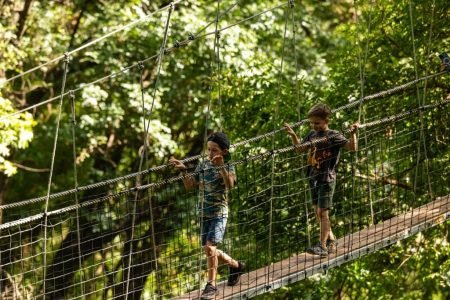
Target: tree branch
x=77 y=25
x=30 y=169
x=22 y=19
x=386 y=180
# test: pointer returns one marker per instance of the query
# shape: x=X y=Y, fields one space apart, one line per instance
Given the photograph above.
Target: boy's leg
x=330 y=194
x=212 y=261
x=315 y=189
x=226 y=259
x=325 y=226
x=331 y=235
x=322 y=197
x=313 y=185
x=210 y=291
x=210 y=249
x=316 y=212
x=214 y=235
x=321 y=248
x=236 y=268
x=326 y=193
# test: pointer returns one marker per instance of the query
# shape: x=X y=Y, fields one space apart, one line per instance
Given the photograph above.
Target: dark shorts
x=322 y=193
x=213 y=230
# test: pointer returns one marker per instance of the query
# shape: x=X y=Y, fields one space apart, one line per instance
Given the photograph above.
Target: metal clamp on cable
x=177 y=44
x=191 y=36
x=141 y=65
x=66 y=57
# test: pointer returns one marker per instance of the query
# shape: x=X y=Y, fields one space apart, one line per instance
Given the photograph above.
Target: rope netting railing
x=244 y=143
x=138 y=235
x=272 y=191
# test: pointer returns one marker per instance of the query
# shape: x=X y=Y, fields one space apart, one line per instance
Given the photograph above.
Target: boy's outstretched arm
x=352 y=143
x=188 y=181
x=295 y=139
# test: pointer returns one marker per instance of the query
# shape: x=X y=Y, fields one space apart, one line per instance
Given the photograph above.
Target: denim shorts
x=322 y=193
x=213 y=230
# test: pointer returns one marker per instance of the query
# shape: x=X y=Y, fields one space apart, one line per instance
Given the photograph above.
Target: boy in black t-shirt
x=323 y=157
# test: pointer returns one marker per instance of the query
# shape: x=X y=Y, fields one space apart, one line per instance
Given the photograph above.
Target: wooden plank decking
x=350 y=247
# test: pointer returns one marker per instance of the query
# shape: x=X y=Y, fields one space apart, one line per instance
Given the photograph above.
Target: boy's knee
x=210 y=250
x=323 y=213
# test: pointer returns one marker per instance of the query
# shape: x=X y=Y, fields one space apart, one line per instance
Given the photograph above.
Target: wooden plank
x=350 y=247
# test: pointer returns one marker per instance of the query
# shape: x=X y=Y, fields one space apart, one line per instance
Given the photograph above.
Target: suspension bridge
x=137 y=236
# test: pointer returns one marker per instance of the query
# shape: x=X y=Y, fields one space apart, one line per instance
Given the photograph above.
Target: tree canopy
x=259 y=73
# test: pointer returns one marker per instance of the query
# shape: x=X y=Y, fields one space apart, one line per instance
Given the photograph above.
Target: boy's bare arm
x=295 y=139
x=228 y=177
x=188 y=181
x=352 y=143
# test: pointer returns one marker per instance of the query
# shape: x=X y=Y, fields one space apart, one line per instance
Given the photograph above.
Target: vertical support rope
x=217 y=58
x=422 y=137
x=430 y=190
x=75 y=175
x=360 y=110
x=420 y=103
x=297 y=94
x=418 y=97
x=275 y=120
x=294 y=42
x=52 y=165
x=144 y=153
x=201 y=192
x=149 y=193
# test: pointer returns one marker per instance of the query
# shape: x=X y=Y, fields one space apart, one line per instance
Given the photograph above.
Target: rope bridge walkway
x=351 y=247
x=137 y=236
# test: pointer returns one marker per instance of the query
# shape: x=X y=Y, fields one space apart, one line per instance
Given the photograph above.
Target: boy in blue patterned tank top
x=214 y=182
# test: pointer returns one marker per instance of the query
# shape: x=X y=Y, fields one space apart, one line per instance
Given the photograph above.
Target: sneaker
x=210 y=292
x=235 y=274
x=331 y=245
x=318 y=250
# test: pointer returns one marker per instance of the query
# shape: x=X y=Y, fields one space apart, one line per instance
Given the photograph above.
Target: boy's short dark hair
x=320 y=110
x=220 y=139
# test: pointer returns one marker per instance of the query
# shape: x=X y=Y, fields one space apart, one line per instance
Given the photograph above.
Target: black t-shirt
x=324 y=156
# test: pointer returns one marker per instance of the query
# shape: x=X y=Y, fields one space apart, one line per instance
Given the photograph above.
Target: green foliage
x=415 y=268
x=269 y=74
x=16 y=132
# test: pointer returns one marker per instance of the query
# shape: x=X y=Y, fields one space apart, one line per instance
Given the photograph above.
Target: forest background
x=321 y=63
